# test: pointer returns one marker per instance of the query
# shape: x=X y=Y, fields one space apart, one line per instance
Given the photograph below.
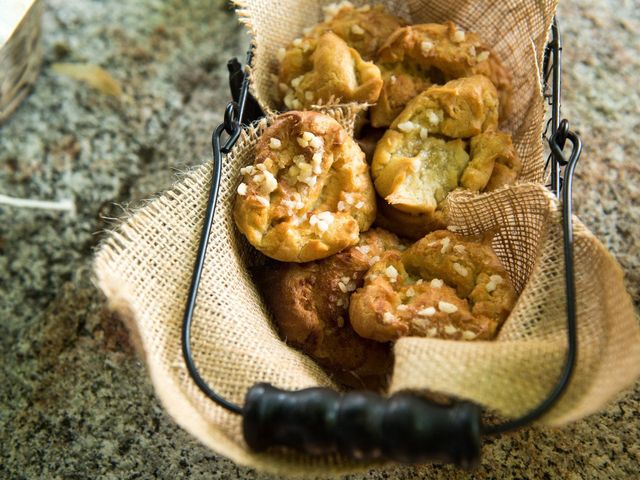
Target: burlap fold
x=145 y=267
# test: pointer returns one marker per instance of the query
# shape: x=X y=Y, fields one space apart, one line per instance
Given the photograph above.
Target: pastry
x=310 y=303
x=364 y=28
x=308 y=194
x=412 y=226
x=421 y=158
x=443 y=286
x=326 y=70
x=494 y=162
x=433 y=53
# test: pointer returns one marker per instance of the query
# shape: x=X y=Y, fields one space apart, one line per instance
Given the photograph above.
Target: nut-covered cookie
x=310 y=303
x=434 y=53
x=421 y=158
x=443 y=286
x=364 y=28
x=308 y=194
x=325 y=69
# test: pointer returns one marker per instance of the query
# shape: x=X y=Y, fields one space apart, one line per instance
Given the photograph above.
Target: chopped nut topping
x=433 y=117
x=469 y=335
x=436 y=283
x=459 y=249
x=482 y=56
x=261 y=200
x=270 y=182
x=357 y=30
x=447 y=307
x=343 y=287
x=427 y=312
x=281 y=53
x=450 y=329
x=494 y=281
x=407 y=126
x=308 y=96
x=388 y=318
x=345 y=279
x=297 y=42
x=410 y=292
x=242 y=189
x=432 y=332
x=341 y=206
x=391 y=272
x=460 y=269
x=340 y=322
x=359 y=205
x=374 y=259
x=424 y=133
x=445 y=245
x=472 y=50
x=363 y=249
x=458 y=36
x=275 y=143
x=420 y=282
x=402 y=308
x=316 y=143
x=426 y=46
x=246 y=170
x=283 y=87
x=415 y=165
x=295 y=83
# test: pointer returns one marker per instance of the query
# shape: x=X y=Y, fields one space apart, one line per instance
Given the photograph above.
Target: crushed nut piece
x=447 y=307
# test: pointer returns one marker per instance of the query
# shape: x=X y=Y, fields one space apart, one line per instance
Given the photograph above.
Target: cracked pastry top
x=308 y=194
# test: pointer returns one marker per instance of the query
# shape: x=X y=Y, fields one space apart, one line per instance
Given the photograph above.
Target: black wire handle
x=403 y=427
x=234 y=115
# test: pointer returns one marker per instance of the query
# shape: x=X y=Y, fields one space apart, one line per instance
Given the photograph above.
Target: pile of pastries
x=357 y=224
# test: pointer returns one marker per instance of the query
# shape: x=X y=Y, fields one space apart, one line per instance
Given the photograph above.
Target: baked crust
x=421 y=158
x=443 y=286
x=412 y=226
x=434 y=53
x=308 y=194
x=494 y=162
x=365 y=28
x=310 y=304
x=324 y=69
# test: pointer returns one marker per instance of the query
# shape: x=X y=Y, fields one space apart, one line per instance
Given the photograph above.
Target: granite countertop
x=75 y=401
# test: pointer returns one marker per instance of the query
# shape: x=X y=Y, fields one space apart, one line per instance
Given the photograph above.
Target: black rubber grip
x=404 y=427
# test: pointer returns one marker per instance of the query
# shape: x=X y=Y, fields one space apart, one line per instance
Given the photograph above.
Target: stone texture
x=75 y=401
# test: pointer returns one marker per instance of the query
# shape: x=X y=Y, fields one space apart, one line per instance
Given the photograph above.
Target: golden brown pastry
x=414 y=170
x=364 y=28
x=325 y=69
x=494 y=162
x=443 y=286
x=434 y=53
x=308 y=194
x=310 y=305
x=412 y=226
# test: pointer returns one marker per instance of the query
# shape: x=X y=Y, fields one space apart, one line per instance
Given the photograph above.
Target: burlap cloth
x=145 y=267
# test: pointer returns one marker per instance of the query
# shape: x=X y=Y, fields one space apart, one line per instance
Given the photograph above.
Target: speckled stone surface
x=75 y=402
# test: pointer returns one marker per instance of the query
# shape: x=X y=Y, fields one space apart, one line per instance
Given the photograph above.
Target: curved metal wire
x=232 y=125
x=570 y=291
